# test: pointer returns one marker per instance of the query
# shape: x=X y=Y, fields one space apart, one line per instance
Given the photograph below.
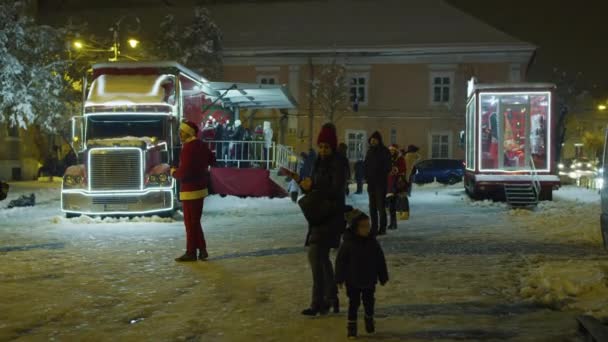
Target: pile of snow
x=577 y=194
x=98 y=220
x=566 y=221
x=437 y=185
x=572 y=284
x=487 y=203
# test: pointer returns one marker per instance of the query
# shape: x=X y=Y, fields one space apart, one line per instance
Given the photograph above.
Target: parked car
x=446 y=171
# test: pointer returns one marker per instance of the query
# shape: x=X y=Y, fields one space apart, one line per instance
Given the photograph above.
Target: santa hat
x=189 y=127
x=328 y=136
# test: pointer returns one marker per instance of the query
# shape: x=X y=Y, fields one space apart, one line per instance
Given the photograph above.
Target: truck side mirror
x=77 y=133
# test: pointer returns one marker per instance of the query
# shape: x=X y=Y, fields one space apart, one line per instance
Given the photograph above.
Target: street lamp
x=601 y=107
x=78 y=45
x=133 y=43
x=115 y=30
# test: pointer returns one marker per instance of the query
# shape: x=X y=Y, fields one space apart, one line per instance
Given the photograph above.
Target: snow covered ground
x=460 y=270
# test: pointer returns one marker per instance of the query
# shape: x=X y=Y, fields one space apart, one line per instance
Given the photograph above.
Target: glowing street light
x=602 y=107
x=133 y=43
x=78 y=44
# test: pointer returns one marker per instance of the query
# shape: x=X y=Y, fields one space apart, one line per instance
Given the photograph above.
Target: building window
x=441 y=88
x=358 y=88
x=12 y=131
x=440 y=145
x=515 y=73
x=357 y=144
x=393 y=136
x=266 y=79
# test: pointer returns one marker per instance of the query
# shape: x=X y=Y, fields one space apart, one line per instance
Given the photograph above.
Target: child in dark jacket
x=360 y=264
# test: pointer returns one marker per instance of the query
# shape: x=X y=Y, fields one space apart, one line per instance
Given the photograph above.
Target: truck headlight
x=71 y=180
x=163 y=177
x=560 y=166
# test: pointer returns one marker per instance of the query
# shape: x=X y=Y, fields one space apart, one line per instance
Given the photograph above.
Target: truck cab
x=127 y=138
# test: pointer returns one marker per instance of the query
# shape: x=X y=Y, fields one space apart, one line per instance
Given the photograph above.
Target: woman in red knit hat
x=327 y=185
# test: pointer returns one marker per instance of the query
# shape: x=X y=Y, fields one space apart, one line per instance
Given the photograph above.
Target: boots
x=186 y=257
x=335 y=304
x=352 y=330
x=203 y=255
x=393 y=220
x=315 y=310
x=370 y=325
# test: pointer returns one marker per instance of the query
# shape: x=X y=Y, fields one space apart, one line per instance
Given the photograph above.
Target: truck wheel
x=546 y=194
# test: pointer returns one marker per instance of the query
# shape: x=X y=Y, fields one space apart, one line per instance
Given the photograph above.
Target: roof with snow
x=292 y=26
x=336 y=25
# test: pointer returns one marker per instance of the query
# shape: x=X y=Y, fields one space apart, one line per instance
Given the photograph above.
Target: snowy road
x=459 y=270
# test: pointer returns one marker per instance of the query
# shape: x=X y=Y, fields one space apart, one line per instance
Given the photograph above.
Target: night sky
x=570 y=35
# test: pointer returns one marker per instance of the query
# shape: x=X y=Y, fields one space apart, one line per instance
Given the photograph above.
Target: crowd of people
x=323 y=178
x=229 y=142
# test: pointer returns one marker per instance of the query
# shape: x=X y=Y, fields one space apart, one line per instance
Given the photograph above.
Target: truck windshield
x=119 y=126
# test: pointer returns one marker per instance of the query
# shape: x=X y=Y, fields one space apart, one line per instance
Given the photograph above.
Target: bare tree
x=331 y=92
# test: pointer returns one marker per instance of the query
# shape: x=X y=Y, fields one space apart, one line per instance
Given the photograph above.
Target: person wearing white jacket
x=267 y=139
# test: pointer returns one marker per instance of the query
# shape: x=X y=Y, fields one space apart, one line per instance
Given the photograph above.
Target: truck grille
x=115 y=169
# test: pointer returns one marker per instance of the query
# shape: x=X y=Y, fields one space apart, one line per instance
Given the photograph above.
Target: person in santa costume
x=193 y=174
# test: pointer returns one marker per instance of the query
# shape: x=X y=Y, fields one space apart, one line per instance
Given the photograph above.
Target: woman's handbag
x=316 y=207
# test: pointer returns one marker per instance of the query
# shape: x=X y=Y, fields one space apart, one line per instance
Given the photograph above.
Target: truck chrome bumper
x=125 y=203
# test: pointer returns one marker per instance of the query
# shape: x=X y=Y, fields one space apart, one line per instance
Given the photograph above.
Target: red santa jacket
x=193 y=170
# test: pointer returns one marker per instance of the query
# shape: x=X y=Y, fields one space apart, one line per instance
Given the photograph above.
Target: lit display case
x=509 y=138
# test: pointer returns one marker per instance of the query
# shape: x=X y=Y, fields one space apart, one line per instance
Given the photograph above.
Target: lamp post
x=79 y=45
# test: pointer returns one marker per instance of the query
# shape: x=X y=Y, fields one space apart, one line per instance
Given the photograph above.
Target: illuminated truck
x=510 y=142
x=127 y=138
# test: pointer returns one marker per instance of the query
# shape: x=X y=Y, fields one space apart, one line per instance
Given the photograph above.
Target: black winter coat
x=328 y=182
x=360 y=171
x=360 y=262
x=377 y=165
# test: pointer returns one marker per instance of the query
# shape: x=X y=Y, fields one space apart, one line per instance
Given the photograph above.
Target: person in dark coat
x=3 y=190
x=360 y=264
x=325 y=185
x=359 y=175
x=397 y=186
x=343 y=150
x=377 y=168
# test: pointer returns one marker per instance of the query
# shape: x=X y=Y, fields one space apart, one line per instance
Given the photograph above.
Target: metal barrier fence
x=242 y=154
x=285 y=157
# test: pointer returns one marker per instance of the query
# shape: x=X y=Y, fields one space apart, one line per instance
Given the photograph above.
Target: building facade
x=406 y=60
